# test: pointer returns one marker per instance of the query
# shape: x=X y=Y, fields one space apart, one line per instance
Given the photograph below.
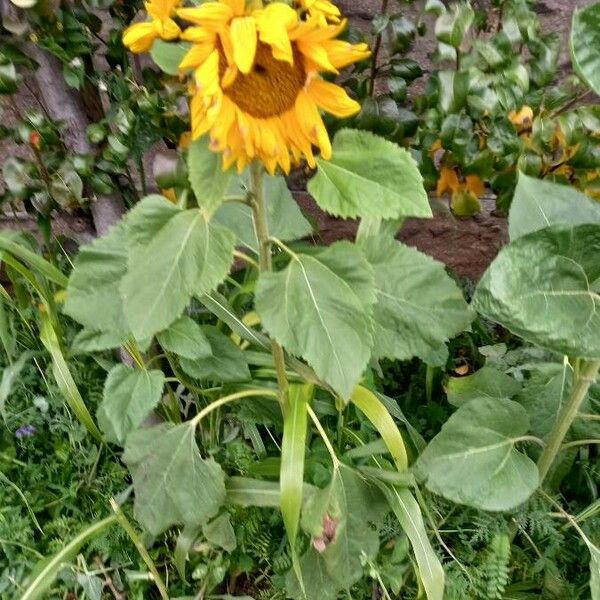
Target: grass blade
x=376 y=412
x=46 y=571
x=293 y=448
x=64 y=379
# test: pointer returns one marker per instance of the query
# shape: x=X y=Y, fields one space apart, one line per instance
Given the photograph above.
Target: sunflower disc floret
x=255 y=75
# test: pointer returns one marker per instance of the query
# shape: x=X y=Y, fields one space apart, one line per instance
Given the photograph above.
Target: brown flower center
x=271 y=88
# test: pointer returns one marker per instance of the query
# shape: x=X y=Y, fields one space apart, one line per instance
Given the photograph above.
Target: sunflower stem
x=261 y=224
x=587 y=375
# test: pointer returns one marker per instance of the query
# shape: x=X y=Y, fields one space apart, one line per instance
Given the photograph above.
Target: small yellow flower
x=139 y=37
x=522 y=119
x=257 y=87
x=447 y=182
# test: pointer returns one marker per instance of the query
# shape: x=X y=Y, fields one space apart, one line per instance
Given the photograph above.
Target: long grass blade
x=45 y=573
x=64 y=379
x=376 y=412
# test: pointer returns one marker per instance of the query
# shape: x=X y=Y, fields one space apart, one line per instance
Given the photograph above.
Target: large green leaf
x=419 y=307
x=173 y=484
x=185 y=338
x=544 y=287
x=585 y=44
x=286 y=221
x=369 y=177
x=342 y=520
x=93 y=297
x=473 y=460
x=168 y=55
x=226 y=362
x=408 y=513
x=208 y=179
x=319 y=308
x=129 y=397
x=485 y=383
x=538 y=204
x=186 y=256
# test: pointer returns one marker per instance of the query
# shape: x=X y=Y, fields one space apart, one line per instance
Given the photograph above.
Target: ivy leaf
x=225 y=361
x=473 y=460
x=173 y=484
x=286 y=221
x=319 y=307
x=343 y=520
x=369 y=177
x=419 y=307
x=129 y=397
x=187 y=256
x=538 y=204
x=208 y=179
x=93 y=297
x=485 y=383
x=185 y=338
x=585 y=44
x=544 y=287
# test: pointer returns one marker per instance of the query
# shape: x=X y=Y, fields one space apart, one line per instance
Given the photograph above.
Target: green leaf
x=473 y=460
x=409 y=516
x=168 y=55
x=485 y=383
x=419 y=307
x=544 y=287
x=208 y=179
x=376 y=412
x=286 y=221
x=245 y=491
x=594 y=572
x=225 y=362
x=187 y=256
x=93 y=297
x=129 y=397
x=173 y=484
x=10 y=375
x=185 y=338
x=319 y=307
x=64 y=380
x=293 y=448
x=538 y=204
x=369 y=177
x=97 y=341
x=452 y=25
x=9 y=78
x=47 y=570
x=342 y=520
x=219 y=532
x=585 y=44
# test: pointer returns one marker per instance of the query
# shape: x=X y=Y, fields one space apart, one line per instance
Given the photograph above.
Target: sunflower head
x=255 y=75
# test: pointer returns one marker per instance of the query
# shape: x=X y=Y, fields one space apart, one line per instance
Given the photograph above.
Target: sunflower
x=257 y=89
x=322 y=8
x=140 y=36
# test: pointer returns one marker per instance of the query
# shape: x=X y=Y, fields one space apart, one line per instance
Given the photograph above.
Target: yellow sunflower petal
x=168 y=29
x=198 y=35
x=197 y=54
x=273 y=24
x=140 y=37
x=317 y=55
x=243 y=39
x=238 y=7
x=212 y=15
x=341 y=54
x=332 y=98
x=311 y=123
x=161 y=9
x=207 y=75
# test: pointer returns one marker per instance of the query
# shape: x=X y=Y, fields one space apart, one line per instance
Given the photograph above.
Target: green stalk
x=259 y=213
x=586 y=376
